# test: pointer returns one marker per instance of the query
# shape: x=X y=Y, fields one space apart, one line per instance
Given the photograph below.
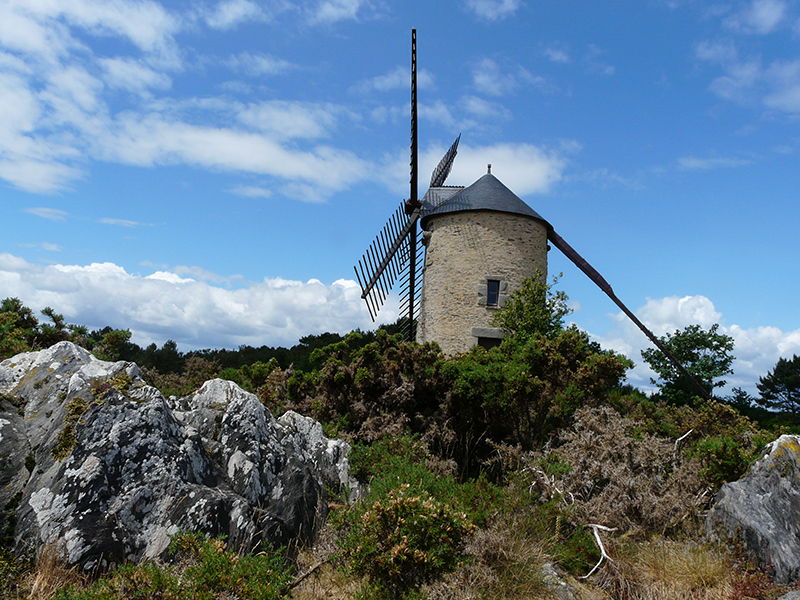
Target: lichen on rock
x=107 y=469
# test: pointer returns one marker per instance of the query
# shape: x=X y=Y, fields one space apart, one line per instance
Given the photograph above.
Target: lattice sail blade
x=442 y=170
x=386 y=259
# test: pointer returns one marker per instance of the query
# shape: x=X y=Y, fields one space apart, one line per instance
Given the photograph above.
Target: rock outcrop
x=761 y=511
x=103 y=467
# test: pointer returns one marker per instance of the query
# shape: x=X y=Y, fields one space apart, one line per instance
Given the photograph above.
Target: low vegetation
x=488 y=472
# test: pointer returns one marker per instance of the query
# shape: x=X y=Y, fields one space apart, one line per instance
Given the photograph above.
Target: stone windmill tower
x=480 y=243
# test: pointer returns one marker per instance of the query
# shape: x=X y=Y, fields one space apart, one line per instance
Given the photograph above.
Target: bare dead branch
x=603 y=553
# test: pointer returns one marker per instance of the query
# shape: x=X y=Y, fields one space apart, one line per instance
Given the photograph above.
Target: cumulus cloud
x=756 y=349
x=181 y=304
x=493 y=10
x=523 y=168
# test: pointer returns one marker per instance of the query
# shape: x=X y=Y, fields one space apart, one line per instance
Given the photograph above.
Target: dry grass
x=49 y=576
x=663 y=570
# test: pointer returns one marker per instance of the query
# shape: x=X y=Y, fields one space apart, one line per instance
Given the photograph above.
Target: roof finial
x=489 y=168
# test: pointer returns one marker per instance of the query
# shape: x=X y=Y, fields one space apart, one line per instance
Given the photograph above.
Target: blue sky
x=209 y=172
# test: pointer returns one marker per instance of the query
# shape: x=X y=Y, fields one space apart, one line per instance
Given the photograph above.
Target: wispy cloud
x=123 y=223
x=229 y=13
x=259 y=64
x=493 y=10
x=328 y=12
x=251 y=191
x=595 y=63
x=398 y=78
x=52 y=214
x=759 y=17
x=556 y=54
x=694 y=163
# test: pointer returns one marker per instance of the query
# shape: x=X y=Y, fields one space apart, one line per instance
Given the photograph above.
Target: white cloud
x=719 y=51
x=52 y=214
x=331 y=11
x=759 y=17
x=259 y=64
x=694 y=163
x=397 y=78
x=167 y=305
x=494 y=10
x=488 y=78
x=523 y=168
x=293 y=120
x=229 y=13
x=153 y=140
x=122 y=222
x=130 y=74
x=594 y=64
x=42 y=27
x=557 y=54
x=251 y=191
x=484 y=110
x=756 y=350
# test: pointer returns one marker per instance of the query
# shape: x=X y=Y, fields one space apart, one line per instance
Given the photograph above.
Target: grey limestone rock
x=104 y=468
x=761 y=511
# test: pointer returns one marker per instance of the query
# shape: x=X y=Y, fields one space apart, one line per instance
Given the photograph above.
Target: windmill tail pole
x=598 y=279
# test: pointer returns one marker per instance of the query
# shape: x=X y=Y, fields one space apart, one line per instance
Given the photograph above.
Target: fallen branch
x=603 y=553
x=300 y=578
x=678 y=442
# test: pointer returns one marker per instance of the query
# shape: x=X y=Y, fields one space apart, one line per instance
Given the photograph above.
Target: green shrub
x=209 y=571
x=405 y=540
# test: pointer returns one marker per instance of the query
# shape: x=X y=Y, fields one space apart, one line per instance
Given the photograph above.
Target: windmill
x=394 y=254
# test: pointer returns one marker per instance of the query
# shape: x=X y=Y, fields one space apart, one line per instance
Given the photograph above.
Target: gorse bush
x=404 y=540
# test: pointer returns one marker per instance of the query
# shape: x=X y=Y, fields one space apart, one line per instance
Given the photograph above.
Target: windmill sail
x=598 y=279
x=394 y=255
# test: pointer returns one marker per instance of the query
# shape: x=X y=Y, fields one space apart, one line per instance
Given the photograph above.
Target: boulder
x=761 y=511
x=105 y=469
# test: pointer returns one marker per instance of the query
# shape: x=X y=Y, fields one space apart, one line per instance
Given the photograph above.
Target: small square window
x=492 y=292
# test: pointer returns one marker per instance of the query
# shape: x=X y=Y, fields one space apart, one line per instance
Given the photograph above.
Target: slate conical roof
x=488 y=193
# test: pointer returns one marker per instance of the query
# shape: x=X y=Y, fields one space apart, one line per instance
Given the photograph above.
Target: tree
x=533 y=308
x=780 y=388
x=706 y=355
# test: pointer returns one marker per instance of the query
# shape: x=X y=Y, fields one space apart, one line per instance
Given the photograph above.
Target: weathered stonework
x=463 y=251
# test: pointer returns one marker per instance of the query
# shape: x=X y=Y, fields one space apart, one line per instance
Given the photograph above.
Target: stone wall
x=463 y=251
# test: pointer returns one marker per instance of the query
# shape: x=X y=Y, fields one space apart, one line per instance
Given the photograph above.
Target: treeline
x=22 y=331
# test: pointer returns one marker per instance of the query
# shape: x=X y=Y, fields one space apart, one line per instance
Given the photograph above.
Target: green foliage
x=214 y=571
x=522 y=390
x=114 y=344
x=209 y=571
x=534 y=308
x=250 y=377
x=706 y=355
x=780 y=388
x=406 y=539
